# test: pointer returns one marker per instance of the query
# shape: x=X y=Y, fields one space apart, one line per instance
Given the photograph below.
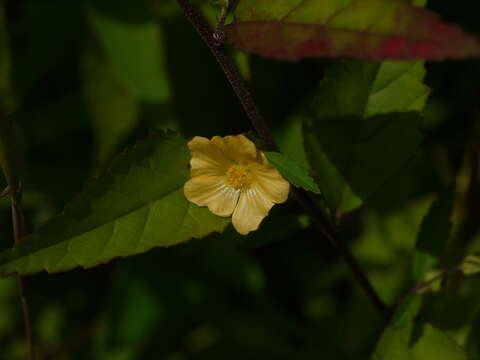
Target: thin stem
x=333 y=237
x=246 y=99
x=17 y=216
x=19 y=233
x=14 y=188
x=27 y=321
x=231 y=73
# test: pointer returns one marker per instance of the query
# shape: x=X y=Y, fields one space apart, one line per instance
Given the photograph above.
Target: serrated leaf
x=366 y=30
x=355 y=155
x=136 y=54
x=362 y=89
x=367 y=89
x=137 y=205
x=417 y=342
x=434 y=234
x=292 y=172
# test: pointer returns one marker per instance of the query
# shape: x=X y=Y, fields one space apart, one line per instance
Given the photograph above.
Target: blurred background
x=92 y=76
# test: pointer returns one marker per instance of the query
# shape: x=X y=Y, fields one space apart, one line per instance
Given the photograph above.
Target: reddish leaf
x=361 y=29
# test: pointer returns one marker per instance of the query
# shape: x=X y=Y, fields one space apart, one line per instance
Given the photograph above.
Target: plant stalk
x=19 y=233
x=9 y=161
x=231 y=72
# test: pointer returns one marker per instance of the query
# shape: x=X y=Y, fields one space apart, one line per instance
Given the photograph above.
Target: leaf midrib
x=331 y=28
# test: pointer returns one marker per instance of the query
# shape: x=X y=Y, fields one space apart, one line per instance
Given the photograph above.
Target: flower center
x=239 y=176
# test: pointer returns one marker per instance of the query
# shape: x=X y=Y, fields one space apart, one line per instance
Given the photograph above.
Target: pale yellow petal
x=213 y=192
x=237 y=148
x=207 y=158
x=271 y=182
x=253 y=205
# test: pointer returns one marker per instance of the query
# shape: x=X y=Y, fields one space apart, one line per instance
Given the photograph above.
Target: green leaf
x=137 y=205
x=289 y=137
x=366 y=30
x=361 y=89
x=292 y=172
x=351 y=155
x=434 y=234
x=136 y=53
x=9 y=149
x=366 y=89
x=112 y=107
x=417 y=342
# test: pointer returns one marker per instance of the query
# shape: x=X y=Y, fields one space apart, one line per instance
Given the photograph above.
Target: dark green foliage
x=433 y=236
x=138 y=203
x=355 y=155
x=104 y=95
x=411 y=343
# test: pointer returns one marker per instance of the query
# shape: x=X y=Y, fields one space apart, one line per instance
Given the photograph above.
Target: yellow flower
x=230 y=176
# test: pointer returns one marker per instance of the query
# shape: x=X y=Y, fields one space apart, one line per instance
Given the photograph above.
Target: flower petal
x=253 y=205
x=207 y=159
x=212 y=191
x=237 y=148
x=271 y=181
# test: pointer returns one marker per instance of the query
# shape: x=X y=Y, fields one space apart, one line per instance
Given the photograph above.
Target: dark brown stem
x=246 y=99
x=333 y=237
x=17 y=217
x=231 y=73
x=22 y=292
x=9 y=163
x=19 y=233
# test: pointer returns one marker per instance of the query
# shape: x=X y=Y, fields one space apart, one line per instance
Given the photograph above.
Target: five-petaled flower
x=233 y=178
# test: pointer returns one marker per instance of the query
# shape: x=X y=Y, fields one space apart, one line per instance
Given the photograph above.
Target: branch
x=333 y=237
x=213 y=41
x=15 y=192
x=231 y=73
x=19 y=233
x=9 y=162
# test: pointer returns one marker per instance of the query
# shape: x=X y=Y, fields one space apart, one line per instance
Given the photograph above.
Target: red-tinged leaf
x=361 y=29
